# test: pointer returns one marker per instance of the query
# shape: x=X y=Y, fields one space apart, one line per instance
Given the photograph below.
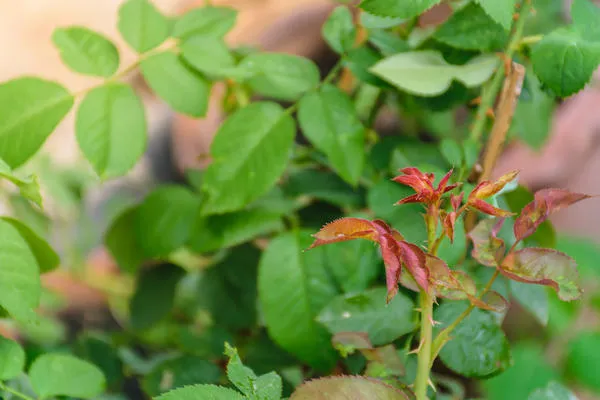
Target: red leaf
x=544 y=267
x=448 y=222
x=349 y=387
x=456 y=200
x=488 y=188
x=488 y=249
x=345 y=229
x=393 y=266
x=545 y=202
x=489 y=209
x=415 y=261
x=422 y=184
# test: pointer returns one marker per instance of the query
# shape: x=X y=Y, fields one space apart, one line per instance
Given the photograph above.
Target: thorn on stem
x=418 y=349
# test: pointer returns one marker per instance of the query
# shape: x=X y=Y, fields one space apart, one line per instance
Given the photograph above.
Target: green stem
x=491 y=89
x=426 y=302
x=15 y=392
x=424 y=360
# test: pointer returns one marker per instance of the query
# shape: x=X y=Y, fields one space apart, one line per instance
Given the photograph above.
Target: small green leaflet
x=30 y=109
x=142 y=26
x=110 y=127
x=205 y=21
x=501 y=11
x=399 y=9
x=86 y=51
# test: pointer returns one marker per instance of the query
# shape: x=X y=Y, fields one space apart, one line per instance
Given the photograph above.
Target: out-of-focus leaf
x=529 y=371
x=583 y=357
x=426 y=73
x=178 y=373
x=471 y=28
x=392 y=8
x=228 y=289
x=554 y=391
x=339 y=31
x=349 y=387
x=367 y=312
x=533 y=298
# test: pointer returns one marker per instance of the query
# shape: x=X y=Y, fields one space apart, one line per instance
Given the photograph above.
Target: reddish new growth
x=419 y=270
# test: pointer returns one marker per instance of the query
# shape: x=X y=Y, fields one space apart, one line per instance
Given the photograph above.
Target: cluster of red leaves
x=414 y=268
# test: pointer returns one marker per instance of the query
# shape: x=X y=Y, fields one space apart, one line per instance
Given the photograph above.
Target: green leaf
x=354 y=265
x=228 y=290
x=584 y=251
x=20 y=286
x=154 y=295
x=46 y=257
x=322 y=185
x=208 y=55
x=241 y=376
x=165 y=219
x=533 y=115
x=586 y=15
x=478 y=347
x=393 y=8
x=196 y=392
x=61 y=374
x=292 y=289
x=554 y=391
x=86 y=51
x=500 y=11
x=12 y=359
x=328 y=119
x=280 y=76
x=178 y=85
x=452 y=152
x=339 y=31
x=564 y=61
x=30 y=109
x=222 y=231
x=471 y=28
x=426 y=73
x=177 y=373
x=372 y=21
x=46 y=331
x=99 y=350
x=269 y=386
x=111 y=129
x=348 y=387
x=142 y=26
x=28 y=187
x=367 y=312
x=360 y=60
x=544 y=267
x=250 y=152
x=265 y=387
x=530 y=371
x=583 y=357
x=121 y=241
x=387 y=42
x=533 y=298
x=205 y=21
